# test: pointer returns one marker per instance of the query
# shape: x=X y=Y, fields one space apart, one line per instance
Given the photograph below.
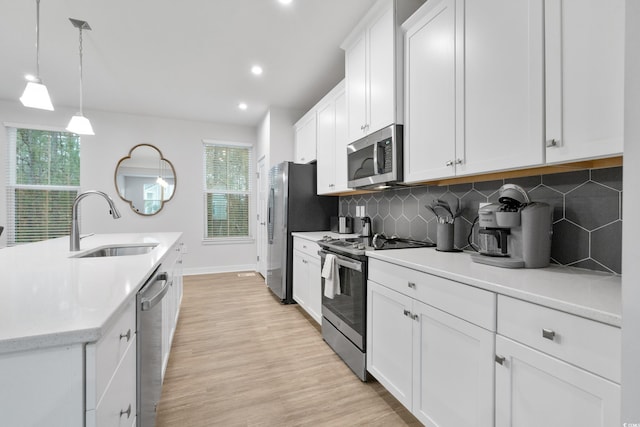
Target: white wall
x=631 y=234
x=179 y=140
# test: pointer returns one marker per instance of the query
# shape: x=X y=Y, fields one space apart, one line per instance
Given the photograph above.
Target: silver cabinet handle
x=411 y=285
x=415 y=317
x=449 y=163
x=500 y=359
x=127 y=335
x=553 y=143
x=407 y=313
x=458 y=161
x=548 y=334
x=128 y=411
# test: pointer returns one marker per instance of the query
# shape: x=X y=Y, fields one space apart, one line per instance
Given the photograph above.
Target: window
x=43 y=181
x=227 y=190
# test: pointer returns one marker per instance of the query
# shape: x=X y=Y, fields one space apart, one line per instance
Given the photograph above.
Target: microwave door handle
x=375 y=158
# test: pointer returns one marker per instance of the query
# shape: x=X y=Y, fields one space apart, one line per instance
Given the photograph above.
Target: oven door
x=347 y=311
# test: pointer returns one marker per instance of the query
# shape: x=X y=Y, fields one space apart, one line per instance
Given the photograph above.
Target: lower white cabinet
x=555 y=369
x=438 y=365
x=307 y=283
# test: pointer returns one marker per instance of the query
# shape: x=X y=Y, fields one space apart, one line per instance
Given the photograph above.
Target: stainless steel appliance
x=344 y=317
x=366 y=226
x=515 y=232
x=375 y=161
x=149 y=350
x=342 y=224
x=293 y=206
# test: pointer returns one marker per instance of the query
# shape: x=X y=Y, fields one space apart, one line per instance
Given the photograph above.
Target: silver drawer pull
x=127 y=335
x=548 y=334
x=128 y=411
x=500 y=359
x=407 y=313
x=411 y=285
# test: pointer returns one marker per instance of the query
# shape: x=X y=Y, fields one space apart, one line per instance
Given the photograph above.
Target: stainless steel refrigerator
x=293 y=206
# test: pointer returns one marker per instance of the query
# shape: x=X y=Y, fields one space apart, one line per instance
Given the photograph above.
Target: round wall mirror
x=145 y=179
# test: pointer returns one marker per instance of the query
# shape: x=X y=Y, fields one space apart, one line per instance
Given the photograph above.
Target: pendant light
x=36 y=95
x=79 y=124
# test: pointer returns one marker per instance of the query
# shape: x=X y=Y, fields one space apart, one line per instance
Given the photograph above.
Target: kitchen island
x=68 y=328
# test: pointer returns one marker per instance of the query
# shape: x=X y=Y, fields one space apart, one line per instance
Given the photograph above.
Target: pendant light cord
x=81 y=95
x=38 y=39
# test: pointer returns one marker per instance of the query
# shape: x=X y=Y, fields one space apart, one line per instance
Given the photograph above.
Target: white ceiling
x=187 y=59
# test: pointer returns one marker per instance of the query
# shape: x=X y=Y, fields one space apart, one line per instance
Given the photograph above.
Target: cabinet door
x=356 y=82
x=300 y=276
x=453 y=370
x=430 y=98
x=390 y=341
x=534 y=389
x=305 y=140
x=326 y=148
x=314 y=298
x=340 y=152
x=382 y=64
x=585 y=78
x=503 y=86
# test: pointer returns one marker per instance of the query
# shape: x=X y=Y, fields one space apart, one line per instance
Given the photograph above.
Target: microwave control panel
x=385 y=156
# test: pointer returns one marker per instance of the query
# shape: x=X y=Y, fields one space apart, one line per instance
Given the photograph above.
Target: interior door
x=261 y=226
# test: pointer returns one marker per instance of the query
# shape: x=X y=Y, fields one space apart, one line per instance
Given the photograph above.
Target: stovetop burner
x=358 y=245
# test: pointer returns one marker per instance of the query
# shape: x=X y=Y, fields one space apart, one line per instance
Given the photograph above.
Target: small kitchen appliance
x=341 y=224
x=366 y=227
x=515 y=232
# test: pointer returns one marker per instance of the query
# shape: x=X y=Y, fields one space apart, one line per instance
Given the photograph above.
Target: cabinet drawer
x=591 y=345
x=118 y=405
x=104 y=356
x=466 y=302
x=306 y=246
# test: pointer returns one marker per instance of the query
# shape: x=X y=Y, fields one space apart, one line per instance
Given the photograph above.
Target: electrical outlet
x=363 y=211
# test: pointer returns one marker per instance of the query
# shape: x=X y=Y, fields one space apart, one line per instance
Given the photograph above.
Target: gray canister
x=536 y=234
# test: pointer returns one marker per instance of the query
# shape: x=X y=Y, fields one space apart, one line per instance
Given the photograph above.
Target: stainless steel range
x=344 y=314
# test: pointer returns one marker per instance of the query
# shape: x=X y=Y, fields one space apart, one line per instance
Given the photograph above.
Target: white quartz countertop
x=585 y=293
x=48 y=298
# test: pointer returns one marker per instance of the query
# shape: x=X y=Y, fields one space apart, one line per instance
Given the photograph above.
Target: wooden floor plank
x=240 y=358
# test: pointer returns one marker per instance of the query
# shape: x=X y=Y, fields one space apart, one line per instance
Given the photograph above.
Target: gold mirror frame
x=149 y=176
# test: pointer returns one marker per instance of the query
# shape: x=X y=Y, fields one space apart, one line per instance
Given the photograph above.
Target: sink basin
x=118 y=250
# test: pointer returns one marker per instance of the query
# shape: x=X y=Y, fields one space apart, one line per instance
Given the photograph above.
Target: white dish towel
x=331 y=276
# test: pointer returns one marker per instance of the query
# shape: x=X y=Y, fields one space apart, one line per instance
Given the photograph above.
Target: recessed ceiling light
x=242 y=106
x=256 y=69
x=285 y=1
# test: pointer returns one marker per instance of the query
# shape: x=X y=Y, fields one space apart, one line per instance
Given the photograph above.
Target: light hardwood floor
x=240 y=358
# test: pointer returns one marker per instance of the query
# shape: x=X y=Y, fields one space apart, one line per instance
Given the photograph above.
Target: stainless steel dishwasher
x=149 y=325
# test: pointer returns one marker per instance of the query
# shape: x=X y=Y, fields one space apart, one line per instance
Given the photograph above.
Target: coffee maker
x=515 y=232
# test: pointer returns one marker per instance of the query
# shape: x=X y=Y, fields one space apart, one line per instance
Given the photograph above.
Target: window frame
x=250 y=238
x=10 y=185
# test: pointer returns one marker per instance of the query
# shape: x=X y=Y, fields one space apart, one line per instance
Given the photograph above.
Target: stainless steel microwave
x=375 y=161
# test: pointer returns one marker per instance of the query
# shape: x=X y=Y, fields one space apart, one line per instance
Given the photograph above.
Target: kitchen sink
x=118 y=250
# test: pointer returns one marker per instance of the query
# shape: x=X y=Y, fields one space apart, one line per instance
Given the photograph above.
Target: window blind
x=43 y=180
x=228 y=186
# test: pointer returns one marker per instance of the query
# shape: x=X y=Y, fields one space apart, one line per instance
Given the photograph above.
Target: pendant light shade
x=79 y=124
x=36 y=95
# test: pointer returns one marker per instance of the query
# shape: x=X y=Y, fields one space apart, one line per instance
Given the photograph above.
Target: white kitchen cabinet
x=534 y=389
x=171 y=302
x=555 y=369
x=584 y=79
x=332 y=142
x=373 y=60
x=437 y=364
x=307 y=290
x=305 y=138
x=474 y=88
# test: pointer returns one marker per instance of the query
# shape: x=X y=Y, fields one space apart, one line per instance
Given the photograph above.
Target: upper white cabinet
x=474 y=88
x=374 y=78
x=305 y=138
x=332 y=142
x=584 y=78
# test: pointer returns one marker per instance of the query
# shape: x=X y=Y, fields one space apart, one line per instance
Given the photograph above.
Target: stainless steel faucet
x=75 y=227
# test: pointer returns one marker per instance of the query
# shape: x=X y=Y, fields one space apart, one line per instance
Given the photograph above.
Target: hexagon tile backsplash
x=587 y=213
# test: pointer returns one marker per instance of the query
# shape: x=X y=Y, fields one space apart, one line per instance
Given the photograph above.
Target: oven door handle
x=344 y=262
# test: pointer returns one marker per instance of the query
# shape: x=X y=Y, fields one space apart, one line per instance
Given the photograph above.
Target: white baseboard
x=218 y=269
